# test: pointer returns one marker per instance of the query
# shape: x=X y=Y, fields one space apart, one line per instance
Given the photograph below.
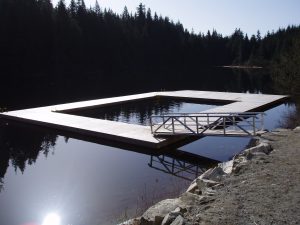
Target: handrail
x=205 y=113
x=208 y=123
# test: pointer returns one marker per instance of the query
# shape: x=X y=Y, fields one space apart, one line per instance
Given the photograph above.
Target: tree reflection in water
x=20 y=145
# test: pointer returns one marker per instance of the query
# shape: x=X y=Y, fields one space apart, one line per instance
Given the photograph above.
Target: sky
x=221 y=15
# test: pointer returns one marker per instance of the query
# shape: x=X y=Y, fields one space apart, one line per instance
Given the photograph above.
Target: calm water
x=141 y=111
x=44 y=171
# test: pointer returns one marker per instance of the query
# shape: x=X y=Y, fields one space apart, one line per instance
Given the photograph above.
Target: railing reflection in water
x=181 y=164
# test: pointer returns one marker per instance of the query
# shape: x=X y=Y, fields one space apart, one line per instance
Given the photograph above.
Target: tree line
x=38 y=39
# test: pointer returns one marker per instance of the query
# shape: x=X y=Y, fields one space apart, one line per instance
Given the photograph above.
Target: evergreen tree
x=286 y=69
x=125 y=14
x=73 y=8
x=97 y=9
x=141 y=11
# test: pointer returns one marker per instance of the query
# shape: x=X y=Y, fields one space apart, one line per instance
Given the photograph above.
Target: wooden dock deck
x=52 y=116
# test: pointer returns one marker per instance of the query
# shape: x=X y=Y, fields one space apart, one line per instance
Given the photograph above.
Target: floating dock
x=55 y=116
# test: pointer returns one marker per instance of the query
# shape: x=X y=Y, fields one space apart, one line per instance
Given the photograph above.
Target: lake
x=93 y=182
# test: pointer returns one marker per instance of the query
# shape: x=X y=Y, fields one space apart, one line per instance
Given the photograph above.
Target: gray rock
x=261 y=148
x=257 y=154
x=180 y=210
x=297 y=129
x=206 y=199
x=144 y=221
x=155 y=214
x=203 y=184
x=170 y=217
x=188 y=200
x=226 y=166
x=135 y=221
x=239 y=161
x=244 y=156
x=209 y=192
x=178 y=221
x=280 y=130
x=192 y=188
x=215 y=174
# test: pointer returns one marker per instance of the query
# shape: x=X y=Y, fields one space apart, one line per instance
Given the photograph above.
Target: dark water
x=98 y=182
x=140 y=112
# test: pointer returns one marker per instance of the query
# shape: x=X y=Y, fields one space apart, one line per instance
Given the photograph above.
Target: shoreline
x=243 y=67
x=258 y=186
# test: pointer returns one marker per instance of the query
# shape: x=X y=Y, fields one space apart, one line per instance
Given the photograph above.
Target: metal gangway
x=208 y=124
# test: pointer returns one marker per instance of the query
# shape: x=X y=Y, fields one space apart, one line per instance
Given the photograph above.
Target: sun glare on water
x=51 y=219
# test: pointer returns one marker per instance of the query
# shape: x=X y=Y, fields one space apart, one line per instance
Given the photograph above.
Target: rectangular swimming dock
x=55 y=117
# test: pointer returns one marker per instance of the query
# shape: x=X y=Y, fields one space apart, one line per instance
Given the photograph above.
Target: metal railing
x=208 y=123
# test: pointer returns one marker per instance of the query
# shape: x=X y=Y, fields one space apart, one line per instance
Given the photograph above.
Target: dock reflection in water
x=181 y=164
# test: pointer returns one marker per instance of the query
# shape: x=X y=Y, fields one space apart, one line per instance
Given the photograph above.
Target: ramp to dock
x=54 y=116
x=208 y=124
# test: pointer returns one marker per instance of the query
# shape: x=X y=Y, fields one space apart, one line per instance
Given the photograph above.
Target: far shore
x=242 y=67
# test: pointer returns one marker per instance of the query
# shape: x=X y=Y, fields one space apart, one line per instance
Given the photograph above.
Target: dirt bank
x=265 y=191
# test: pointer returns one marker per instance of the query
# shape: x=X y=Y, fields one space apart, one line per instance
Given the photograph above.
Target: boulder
x=297 y=129
x=170 y=217
x=144 y=221
x=178 y=221
x=155 y=214
x=203 y=184
x=135 y=221
x=215 y=174
x=193 y=187
x=226 y=166
x=209 y=192
x=263 y=147
x=189 y=200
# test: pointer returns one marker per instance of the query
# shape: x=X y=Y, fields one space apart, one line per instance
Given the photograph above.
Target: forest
x=39 y=39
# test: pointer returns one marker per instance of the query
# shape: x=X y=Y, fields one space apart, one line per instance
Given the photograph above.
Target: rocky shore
x=261 y=185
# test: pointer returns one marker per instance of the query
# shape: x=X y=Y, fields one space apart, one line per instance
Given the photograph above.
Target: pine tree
x=73 y=8
x=155 y=17
x=149 y=16
x=141 y=12
x=125 y=14
x=97 y=9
